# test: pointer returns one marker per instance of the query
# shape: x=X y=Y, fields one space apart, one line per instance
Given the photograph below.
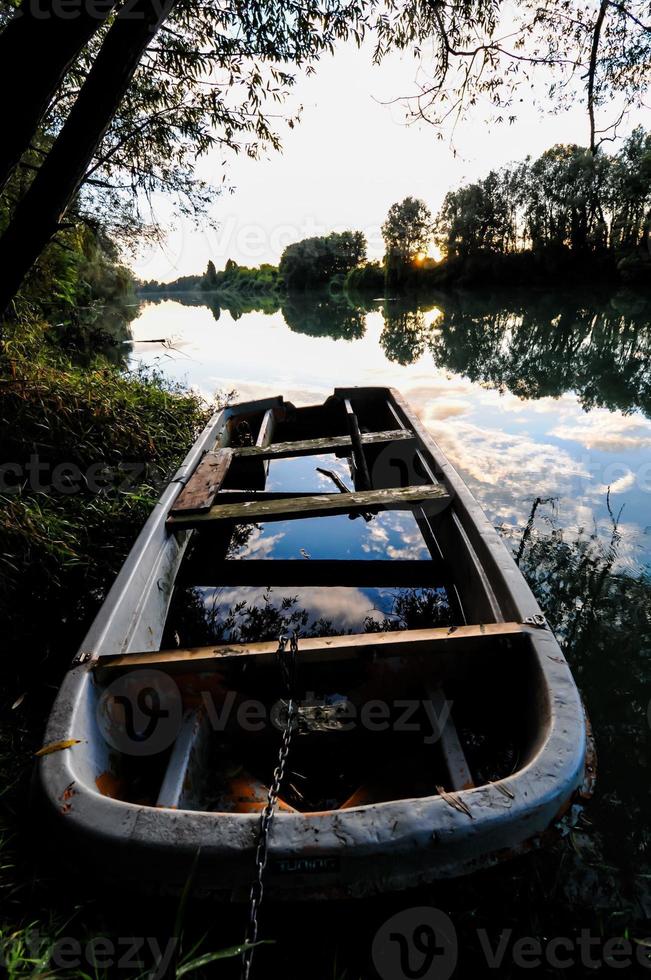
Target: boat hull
x=353 y=852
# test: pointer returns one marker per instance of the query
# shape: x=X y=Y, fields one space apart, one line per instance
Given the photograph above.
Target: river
x=539 y=399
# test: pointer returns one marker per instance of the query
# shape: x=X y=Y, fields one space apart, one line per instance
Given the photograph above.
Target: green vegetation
x=312 y=263
x=572 y=213
x=86 y=447
x=234 y=284
x=568 y=211
x=407 y=234
x=317 y=261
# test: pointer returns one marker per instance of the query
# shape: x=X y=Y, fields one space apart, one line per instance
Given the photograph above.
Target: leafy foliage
x=407 y=230
x=314 y=261
x=213 y=79
x=567 y=198
x=490 y=53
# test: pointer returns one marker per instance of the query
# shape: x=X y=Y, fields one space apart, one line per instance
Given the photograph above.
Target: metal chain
x=288 y=668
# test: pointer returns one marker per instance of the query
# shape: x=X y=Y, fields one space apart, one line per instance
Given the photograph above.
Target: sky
x=349 y=159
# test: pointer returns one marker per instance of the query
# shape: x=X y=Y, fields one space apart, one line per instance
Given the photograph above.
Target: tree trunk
x=39 y=213
x=37 y=48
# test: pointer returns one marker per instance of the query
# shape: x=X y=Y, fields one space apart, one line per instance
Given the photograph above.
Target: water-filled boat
x=320 y=578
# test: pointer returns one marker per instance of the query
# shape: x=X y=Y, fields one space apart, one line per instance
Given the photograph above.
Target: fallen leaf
x=17 y=703
x=58 y=746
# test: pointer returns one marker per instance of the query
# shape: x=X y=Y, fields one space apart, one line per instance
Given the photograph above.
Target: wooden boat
x=421 y=752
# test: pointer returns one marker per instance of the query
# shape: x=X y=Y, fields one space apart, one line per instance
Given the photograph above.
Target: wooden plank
x=450 y=743
x=202 y=569
x=266 y=432
x=317 y=505
x=362 y=476
x=317 y=649
x=313 y=447
x=199 y=492
x=241 y=496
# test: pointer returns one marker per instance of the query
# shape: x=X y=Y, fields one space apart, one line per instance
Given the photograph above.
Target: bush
x=367 y=279
x=62 y=423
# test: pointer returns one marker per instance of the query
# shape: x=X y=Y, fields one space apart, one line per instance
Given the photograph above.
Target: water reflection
x=451 y=356
x=248 y=614
x=324 y=314
x=548 y=344
x=407 y=332
x=534 y=345
x=603 y=620
x=99 y=330
x=237 y=305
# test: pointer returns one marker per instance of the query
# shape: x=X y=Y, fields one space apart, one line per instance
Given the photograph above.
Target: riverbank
x=243 y=290
x=86 y=445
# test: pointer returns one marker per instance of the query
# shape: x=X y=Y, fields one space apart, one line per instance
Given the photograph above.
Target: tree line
x=569 y=211
x=115 y=100
x=569 y=198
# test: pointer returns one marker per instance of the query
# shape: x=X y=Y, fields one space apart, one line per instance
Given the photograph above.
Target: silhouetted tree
x=407 y=232
x=210 y=277
x=315 y=261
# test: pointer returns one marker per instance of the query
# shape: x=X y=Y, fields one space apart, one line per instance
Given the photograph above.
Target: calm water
x=539 y=400
x=544 y=396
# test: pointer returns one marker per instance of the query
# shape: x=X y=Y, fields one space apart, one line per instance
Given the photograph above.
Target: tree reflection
x=602 y=617
x=548 y=345
x=199 y=617
x=235 y=304
x=407 y=333
x=323 y=314
x=533 y=345
x=97 y=331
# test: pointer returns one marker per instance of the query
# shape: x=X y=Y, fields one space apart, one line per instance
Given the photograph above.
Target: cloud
x=510 y=462
x=259 y=544
x=624 y=483
x=607 y=431
x=445 y=408
x=346 y=607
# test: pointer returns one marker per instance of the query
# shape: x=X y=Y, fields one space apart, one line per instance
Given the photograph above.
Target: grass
x=88 y=448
